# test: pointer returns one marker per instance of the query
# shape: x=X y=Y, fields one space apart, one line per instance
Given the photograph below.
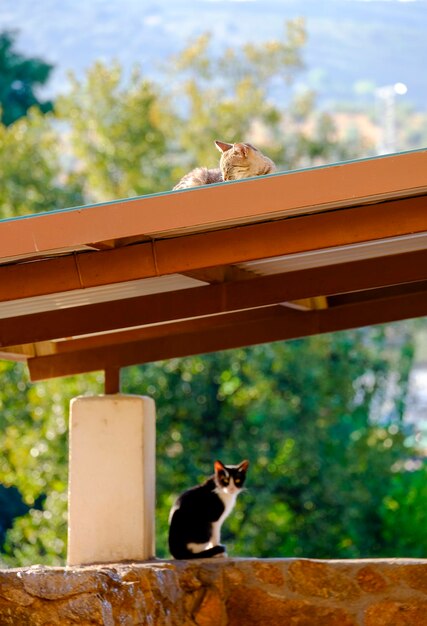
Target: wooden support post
x=111 y=479
x=112 y=380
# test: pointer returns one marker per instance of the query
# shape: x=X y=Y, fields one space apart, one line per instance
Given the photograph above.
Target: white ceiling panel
x=93 y=295
x=332 y=256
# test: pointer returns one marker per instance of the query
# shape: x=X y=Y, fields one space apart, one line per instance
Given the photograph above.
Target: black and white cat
x=196 y=517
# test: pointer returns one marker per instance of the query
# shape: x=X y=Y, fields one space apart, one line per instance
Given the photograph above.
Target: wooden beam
x=159 y=331
x=220 y=274
x=278 y=324
x=367 y=313
x=214 y=299
x=13 y=355
x=377 y=294
x=183 y=338
x=23 y=351
x=345 y=227
x=219 y=248
x=112 y=380
x=308 y=304
x=200 y=325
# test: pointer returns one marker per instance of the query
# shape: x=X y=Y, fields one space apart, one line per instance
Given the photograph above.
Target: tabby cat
x=238 y=160
x=196 y=517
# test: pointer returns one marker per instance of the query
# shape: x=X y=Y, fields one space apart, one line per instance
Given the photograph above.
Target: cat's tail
x=207 y=554
x=204 y=554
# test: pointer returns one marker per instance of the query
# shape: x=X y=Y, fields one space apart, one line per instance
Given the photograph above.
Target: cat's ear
x=219 y=467
x=223 y=147
x=243 y=466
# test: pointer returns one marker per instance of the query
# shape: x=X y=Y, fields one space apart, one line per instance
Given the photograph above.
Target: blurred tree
x=116 y=133
x=404 y=512
x=33 y=453
x=19 y=78
x=11 y=506
x=31 y=163
x=33 y=458
x=308 y=414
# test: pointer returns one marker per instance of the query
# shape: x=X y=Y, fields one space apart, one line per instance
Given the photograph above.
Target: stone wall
x=220 y=592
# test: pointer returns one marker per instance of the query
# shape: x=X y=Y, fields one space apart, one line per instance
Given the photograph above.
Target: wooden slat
x=214 y=299
x=278 y=323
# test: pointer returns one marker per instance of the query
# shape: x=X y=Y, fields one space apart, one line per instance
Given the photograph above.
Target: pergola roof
x=210 y=268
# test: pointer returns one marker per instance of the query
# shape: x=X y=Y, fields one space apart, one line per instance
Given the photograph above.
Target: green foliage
x=403 y=511
x=309 y=416
x=116 y=133
x=11 y=506
x=33 y=178
x=19 y=78
x=328 y=474
x=33 y=443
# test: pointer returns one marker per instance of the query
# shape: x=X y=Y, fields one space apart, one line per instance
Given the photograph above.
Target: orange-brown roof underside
x=217 y=267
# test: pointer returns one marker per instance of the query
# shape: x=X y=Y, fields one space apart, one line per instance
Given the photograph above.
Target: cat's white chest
x=229 y=500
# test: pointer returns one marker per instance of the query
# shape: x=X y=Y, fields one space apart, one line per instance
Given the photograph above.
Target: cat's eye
x=225 y=480
x=238 y=481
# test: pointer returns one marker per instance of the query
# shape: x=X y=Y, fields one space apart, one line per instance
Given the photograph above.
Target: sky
x=353 y=45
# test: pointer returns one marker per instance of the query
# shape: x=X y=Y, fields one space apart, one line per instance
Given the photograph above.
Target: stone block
x=218 y=592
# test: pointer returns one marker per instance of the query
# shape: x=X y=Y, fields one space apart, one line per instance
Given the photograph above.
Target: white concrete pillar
x=111 y=479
